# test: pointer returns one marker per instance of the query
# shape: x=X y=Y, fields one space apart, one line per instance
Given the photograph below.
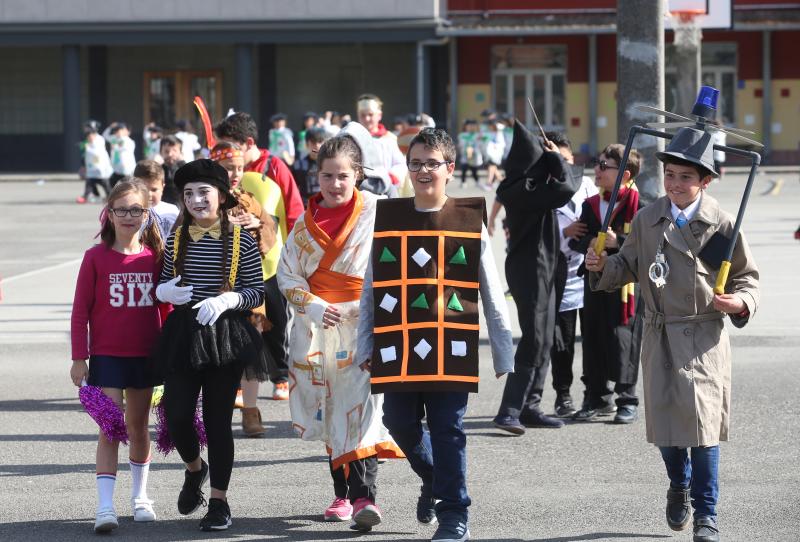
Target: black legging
x=180 y=400
x=275 y=339
x=361 y=481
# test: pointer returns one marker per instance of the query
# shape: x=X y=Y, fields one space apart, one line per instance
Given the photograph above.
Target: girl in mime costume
x=212 y=275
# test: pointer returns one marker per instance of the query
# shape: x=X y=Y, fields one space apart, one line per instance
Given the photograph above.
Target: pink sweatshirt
x=115 y=297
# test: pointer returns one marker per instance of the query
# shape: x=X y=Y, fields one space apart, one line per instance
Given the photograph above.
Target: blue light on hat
x=706 y=104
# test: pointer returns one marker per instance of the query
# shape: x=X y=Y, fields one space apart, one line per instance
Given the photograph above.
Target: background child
x=439 y=456
x=686 y=356
x=305 y=169
x=612 y=337
x=190 y=144
x=569 y=286
x=469 y=150
x=320 y=274
x=96 y=163
x=248 y=214
x=114 y=300
x=151 y=174
x=123 y=160
x=281 y=139
x=207 y=342
x=172 y=157
x=493 y=144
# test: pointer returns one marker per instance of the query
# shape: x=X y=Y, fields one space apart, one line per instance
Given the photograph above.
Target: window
x=168 y=96
x=717 y=69
x=536 y=73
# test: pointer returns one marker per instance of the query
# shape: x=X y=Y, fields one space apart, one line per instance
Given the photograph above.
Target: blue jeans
x=439 y=457
x=700 y=474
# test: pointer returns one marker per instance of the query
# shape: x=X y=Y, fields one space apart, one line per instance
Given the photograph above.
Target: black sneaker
x=539 y=419
x=426 y=511
x=678 y=512
x=509 y=423
x=705 y=529
x=626 y=414
x=218 y=517
x=451 y=529
x=564 y=408
x=584 y=414
x=191 y=497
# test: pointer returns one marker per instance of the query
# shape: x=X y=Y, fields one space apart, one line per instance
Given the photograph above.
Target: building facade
x=143 y=61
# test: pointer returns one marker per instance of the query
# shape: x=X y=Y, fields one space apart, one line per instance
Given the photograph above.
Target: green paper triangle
x=387 y=256
x=459 y=258
x=420 y=302
x=454 y=304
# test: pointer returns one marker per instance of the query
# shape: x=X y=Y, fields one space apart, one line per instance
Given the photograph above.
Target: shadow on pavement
x=41 y=405
x=599 y=536
x=158 y=464
x=287 y=528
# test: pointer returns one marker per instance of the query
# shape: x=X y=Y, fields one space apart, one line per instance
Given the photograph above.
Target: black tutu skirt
x=185 y=345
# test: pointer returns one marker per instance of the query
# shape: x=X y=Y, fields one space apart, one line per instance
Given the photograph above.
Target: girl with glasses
x=115 y=323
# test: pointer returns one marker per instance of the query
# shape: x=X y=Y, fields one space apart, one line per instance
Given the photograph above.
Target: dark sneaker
x=451 y=529
x=626 y=414
x=191 y=497
x=218 y=517
x=607 y=410
x=426 y=511
x=705 y=529
x=678 y=511
x=510 y=424
x=584 y=415
x=539 y=419
x=564 y=408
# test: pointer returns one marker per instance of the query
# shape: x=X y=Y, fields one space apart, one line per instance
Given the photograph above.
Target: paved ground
x=584 y=482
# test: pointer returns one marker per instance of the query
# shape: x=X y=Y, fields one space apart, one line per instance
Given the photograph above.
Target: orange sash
x=331 y=286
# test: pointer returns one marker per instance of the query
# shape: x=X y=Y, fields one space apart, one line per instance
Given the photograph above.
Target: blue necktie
x=681 y=220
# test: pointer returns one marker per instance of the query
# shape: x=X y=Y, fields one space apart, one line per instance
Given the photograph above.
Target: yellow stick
x=600 y=243
x=722 y=277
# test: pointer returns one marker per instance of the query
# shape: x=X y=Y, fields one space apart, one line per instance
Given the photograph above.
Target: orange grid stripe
x=404 y=299
x=425 y=325
x=425 y=378
x=440 y=303
x=412 y=282
x=428 y=233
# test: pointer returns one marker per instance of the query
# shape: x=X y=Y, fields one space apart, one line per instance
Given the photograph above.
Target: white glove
x=210 y=309
x=170 y=292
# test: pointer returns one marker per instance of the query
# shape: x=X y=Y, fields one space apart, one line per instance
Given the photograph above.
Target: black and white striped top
x=203 y=271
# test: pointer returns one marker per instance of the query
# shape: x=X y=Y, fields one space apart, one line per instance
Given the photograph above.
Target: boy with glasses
x=418 y=327
x=612 y=336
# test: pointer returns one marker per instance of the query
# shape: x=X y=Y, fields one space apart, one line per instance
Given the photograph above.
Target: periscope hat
x=692 y=145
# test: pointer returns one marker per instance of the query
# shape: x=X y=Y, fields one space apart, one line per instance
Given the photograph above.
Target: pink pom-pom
x=103 y=410
x=164 y=443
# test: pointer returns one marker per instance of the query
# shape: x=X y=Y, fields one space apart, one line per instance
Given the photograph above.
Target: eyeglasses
x=602 y=164
x=430 y=165
x=135 y=212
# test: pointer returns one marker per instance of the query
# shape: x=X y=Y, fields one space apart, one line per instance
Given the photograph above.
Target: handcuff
x=659 y=269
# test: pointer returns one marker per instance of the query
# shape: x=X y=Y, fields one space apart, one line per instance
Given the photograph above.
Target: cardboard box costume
x=425 y=292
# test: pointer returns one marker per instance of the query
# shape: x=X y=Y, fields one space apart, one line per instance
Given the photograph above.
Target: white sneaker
x=143 y=510
x=106 y=521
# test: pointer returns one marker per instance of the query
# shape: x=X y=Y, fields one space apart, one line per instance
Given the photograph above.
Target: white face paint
x=202 y=201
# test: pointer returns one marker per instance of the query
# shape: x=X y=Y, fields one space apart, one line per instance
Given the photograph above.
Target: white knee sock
x=139 y=472
x=105 y=490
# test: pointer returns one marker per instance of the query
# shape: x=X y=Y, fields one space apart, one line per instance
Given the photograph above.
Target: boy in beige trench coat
x=686 y=355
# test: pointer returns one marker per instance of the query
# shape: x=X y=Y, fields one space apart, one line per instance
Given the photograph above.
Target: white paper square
x=388 y=303
x=388 y=354
x=423 y=348
x=421 y=257
x=458 y=348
